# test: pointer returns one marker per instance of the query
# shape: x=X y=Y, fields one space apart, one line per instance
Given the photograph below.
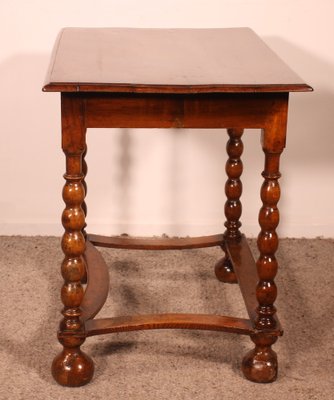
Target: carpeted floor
x=166 y=364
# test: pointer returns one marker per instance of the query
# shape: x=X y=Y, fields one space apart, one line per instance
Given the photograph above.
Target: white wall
x=155 y=182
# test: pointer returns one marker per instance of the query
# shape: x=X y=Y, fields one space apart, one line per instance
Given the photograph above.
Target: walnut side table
x=170 y=78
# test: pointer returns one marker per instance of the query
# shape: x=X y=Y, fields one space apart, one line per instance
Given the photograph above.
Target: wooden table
x=170 y=78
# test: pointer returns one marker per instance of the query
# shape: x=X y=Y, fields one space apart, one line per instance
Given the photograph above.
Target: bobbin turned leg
x=72 y=367
x=84 y=172
x=260 y=364
x=233 y=189
x=84 y=205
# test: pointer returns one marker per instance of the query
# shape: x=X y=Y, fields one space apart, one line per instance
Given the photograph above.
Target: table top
x=167 y=61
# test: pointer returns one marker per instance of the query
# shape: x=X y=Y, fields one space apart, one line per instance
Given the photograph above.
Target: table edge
x=172 y=89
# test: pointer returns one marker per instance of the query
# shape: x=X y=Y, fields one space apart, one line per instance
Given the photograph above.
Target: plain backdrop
x=152 y=182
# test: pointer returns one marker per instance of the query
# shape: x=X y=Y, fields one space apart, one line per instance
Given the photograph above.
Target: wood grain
x=169 y=321
x=167 y=61
x=170 y=78
x=97 y=288
x=214 y=111
x=155 y=243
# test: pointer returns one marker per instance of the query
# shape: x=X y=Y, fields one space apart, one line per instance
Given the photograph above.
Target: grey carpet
x=165 y=364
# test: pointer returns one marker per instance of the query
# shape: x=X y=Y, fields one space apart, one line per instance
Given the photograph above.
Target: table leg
x=84 y=171
x=84 y=205
x=72 y=367
x=260 y=364
x=233 y=189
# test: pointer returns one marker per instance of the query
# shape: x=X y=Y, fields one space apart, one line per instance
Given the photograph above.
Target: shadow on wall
x=28 y=144
x=25 y=108
x=310 y=148
x=308 y=161
x=194 y=190
x=311 y=116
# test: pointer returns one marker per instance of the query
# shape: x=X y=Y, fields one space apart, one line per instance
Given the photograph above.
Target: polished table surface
x=170 y=78
x=167 y=60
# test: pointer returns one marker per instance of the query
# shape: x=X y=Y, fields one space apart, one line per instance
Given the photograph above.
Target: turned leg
x=266 y=291
x=233 y=189
x=84 y=205
x=72 y=367
x=260 y=364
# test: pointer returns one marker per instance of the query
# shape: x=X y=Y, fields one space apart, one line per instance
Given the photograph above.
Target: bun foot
x=260 y=365
x=72 y=368
x=224 y=271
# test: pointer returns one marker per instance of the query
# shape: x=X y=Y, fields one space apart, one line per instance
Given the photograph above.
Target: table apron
x=182 y=111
